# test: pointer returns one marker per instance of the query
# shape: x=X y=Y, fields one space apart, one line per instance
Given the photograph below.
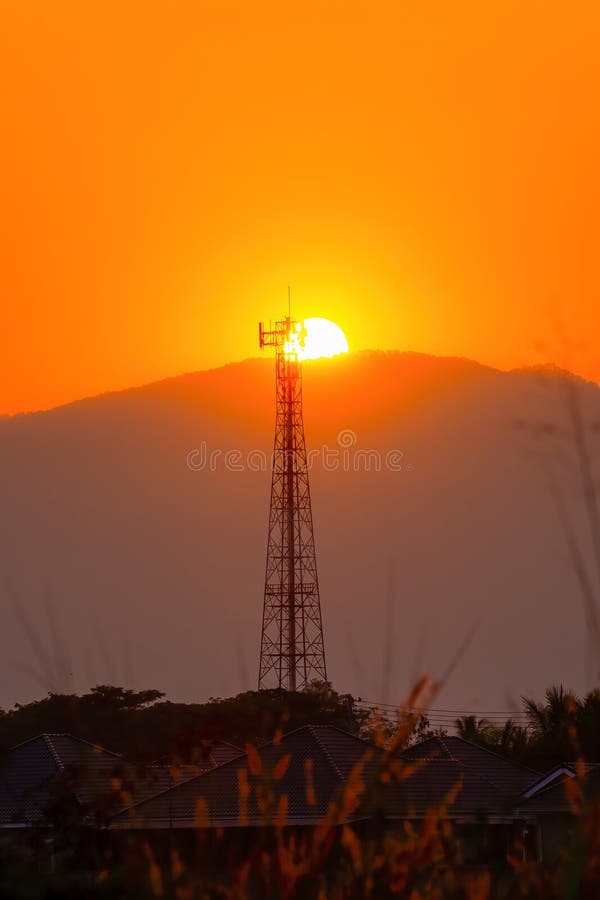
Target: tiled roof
x=222 y=752
x=429 y=786
x=555 y=797
x=330 y=754
x=29 y=769
x=100 y=780
x=22 y=772
x=313 y=767
x=208 y=754
x=548 y=779
x=511 y=778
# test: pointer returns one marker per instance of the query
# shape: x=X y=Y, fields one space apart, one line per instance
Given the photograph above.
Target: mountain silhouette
x=127 y=560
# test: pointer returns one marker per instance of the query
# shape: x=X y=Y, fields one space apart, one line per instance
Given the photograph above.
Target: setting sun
x=322 y=338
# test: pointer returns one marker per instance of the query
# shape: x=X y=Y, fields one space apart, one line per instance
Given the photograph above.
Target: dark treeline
x=562 y=728
x=144 y=726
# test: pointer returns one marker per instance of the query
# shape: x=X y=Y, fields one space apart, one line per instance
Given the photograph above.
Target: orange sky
x=426 y=174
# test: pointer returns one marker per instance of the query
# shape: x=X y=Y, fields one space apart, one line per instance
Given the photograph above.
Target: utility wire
x=446 y=717
x=474 y=712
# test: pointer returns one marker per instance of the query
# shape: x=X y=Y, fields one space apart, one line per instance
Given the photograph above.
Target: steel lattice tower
x=292 y=653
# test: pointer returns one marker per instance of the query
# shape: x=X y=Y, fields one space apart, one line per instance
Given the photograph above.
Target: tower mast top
x=292 y=654
x=286 y=336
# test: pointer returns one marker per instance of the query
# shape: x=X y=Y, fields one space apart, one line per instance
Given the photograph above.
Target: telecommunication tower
x=292 y=653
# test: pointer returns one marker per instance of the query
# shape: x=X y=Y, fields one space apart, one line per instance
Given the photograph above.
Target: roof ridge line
x=552 y=779
x=124 y=809
x=30 y=740
x=173 y=787
x=228 y=744
x=47 y=735
x=287 y=734
x=470 y=766
x=464 y=765
x=512 y=762
x=355 y=737
x=99 y=748
x=326 y=753
x=53 y=752
x=442 y=741
x=435 y=738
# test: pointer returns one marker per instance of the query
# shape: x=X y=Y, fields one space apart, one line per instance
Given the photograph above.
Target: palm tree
x=512 y=740
x=558 y=712
x=478 y=731
x=554 y=726
x=589 y=726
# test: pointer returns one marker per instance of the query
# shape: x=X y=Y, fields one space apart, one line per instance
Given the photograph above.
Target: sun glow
x=321 y=338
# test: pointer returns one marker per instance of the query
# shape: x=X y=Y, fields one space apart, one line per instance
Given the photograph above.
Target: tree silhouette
x=478 y=731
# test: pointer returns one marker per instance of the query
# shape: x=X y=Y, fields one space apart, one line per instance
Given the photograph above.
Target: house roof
x=97 y=778
x=507 y=776
x=328 y=753
x=548 y=779
x=312 y=767
x=209 y=753
x=555 y=798
x=28 y=771
x=222 y=751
